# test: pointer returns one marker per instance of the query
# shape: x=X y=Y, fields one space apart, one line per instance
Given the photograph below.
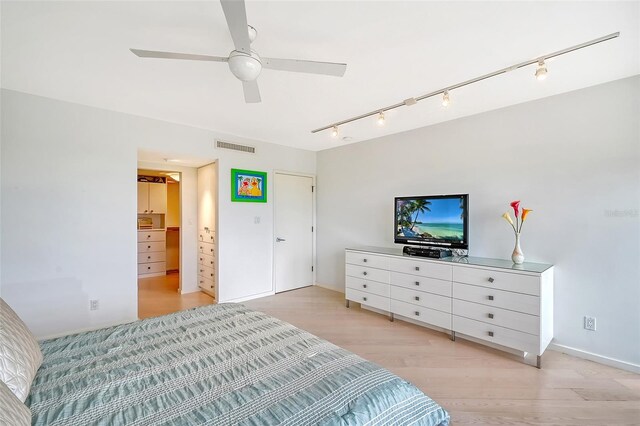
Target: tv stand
x=423 y=251
x=489 y=301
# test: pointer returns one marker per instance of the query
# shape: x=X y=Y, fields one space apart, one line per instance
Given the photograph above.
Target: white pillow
x=13 y=412
x=20 y=355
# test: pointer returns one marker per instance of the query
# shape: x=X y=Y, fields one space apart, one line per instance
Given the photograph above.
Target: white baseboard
x=601 y=359
x=244 y=299
x=330 y=287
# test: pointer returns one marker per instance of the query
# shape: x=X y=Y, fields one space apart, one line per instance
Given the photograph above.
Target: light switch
x=256 y=220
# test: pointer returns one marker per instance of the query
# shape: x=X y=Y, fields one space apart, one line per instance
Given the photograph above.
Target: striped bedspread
x=220 y=364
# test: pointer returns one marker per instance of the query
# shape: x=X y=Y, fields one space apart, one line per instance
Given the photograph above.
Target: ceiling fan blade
x=251 y=92
x=311 y=67
x=236 y=15
x=173 y=55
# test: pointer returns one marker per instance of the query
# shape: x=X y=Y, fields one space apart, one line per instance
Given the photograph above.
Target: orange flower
x=525 y=212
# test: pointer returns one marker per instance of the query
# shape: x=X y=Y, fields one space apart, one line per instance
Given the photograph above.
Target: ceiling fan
x=244 y=62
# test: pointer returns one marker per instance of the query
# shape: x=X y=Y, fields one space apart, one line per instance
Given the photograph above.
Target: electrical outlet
x=590 y=323
x=94 y=305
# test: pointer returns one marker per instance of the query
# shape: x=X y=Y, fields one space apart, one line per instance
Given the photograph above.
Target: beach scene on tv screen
x=438 y=218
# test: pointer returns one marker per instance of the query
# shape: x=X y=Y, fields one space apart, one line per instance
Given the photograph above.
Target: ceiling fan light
x=245 y=67
x=541 y=72
x=445 y=99
x=334 y=132
x=380 y=119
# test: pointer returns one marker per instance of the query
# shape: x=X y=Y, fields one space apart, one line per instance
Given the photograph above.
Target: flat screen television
x=433 y=220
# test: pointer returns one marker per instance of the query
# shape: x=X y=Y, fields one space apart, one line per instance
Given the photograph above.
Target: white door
x=293 y=197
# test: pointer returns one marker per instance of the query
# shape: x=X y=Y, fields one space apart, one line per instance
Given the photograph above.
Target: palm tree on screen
x=417 y=207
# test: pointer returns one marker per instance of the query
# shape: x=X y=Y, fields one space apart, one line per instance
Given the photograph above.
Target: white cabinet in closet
x=152 y=198
x=206 y=261
x=151 y=253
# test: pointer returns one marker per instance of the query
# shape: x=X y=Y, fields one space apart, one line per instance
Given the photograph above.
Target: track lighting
x=541 y=72
x=445 y=99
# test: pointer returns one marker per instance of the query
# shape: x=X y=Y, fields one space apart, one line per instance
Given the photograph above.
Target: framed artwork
x=248 y=186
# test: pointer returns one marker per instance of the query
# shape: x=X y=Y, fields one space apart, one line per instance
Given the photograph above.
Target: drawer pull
x=364 y=298
x=148 y=236
x=201 y=270
x=417 y=313
x=200 y=259
x=364 y=286
x=417 y=268
x=364 y=260
x=417 y=282
x=490 y=333
x=364 y=273
x=146 y=211
x=490 y=316
x=418 y=298
x=149 y=257
x=490 y=297
x=491 y=279
x=148 y=267
x=150 y=211
x=200 y=247
x=148 y=247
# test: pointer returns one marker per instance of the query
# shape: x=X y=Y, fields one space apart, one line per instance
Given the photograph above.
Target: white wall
x=68 y=197
x=573 y=158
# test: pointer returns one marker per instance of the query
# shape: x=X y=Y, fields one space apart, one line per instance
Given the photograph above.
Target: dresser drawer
x=152 y=246
x=206 y=248
x=369 y=274
x=151 y=236
x=206 y=237
x=206 y=272
x=502 y=336
x=205 y=283
x=421 y=283
x=422 y=314
x=501 y=317
x=420 y=298
x=424 y=269
x=373 y=300
x=372 y=287
x=518 y=283
x=151 y=268
x=158 y=256
x=502 y=299
x=206 y=260
x=367 y=259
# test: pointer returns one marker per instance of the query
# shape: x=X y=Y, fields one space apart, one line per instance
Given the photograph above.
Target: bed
x=220 y=364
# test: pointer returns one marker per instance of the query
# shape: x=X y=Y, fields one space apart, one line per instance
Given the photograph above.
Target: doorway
x=161 y=210
x=294 y=231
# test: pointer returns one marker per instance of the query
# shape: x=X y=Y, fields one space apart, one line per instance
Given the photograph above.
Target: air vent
x=236 y=147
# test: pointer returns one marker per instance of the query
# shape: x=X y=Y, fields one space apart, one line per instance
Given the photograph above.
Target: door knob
x=279 y=240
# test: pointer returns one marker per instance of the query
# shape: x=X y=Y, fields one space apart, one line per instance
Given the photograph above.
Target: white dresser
x=488 y=300
x=152 y=252
x=207 y=261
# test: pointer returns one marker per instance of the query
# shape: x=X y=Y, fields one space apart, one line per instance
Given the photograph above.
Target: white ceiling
x=78 y=52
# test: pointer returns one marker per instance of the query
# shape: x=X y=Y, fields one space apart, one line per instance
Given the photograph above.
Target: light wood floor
x=159 y=296
x=476 y=384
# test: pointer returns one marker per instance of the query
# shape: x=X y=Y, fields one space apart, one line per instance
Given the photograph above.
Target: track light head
x=541 y=72
x=380 y=119
x=334 y=132
x=445 y=99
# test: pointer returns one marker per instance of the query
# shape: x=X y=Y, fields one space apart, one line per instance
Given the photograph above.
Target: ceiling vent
x=236 y=147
